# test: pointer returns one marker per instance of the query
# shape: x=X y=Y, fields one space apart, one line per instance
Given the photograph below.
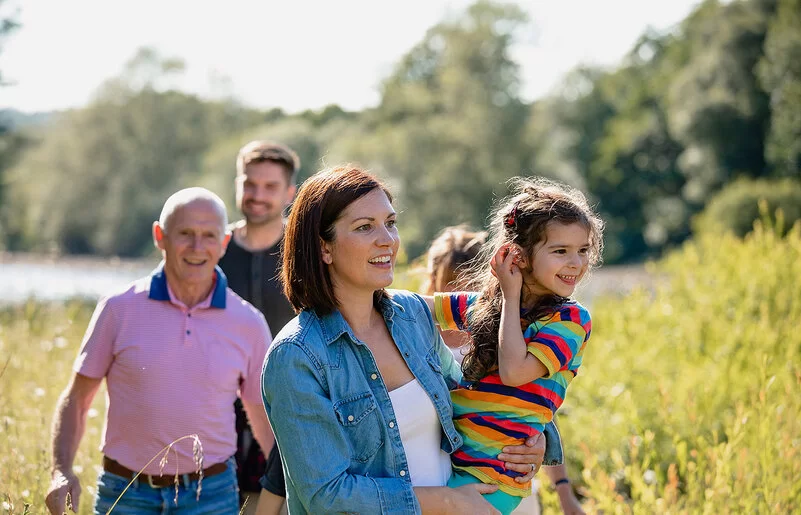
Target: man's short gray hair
x=188 y=195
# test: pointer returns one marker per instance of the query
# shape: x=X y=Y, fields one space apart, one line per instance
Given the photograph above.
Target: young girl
x=527 y=336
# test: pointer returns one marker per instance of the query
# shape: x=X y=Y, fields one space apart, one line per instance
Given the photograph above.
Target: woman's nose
x=385 y=237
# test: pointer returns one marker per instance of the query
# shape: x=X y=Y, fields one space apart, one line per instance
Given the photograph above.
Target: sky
x=292 y=54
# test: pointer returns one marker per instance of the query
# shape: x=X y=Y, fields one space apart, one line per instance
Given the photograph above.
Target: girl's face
x=362 y=256
x=558 y=262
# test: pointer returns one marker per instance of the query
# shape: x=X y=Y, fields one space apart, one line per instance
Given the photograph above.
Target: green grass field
x=689 y=400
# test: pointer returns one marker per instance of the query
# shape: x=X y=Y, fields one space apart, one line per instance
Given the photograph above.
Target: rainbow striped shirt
x=490 y=415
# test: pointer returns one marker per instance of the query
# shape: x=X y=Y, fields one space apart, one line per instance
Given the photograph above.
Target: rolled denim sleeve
x=554 y=454
x=313 y=444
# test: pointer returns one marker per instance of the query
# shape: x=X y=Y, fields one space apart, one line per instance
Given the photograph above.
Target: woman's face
x=361 y=259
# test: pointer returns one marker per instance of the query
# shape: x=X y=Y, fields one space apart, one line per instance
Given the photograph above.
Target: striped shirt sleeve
x=452 y=310
x=559 y=343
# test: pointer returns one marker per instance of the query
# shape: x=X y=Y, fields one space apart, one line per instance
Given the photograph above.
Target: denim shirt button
x=391 y=424
x=436 y=396
x=350 y=418
x=402 y=473
x=406 y=354
x=374 y=377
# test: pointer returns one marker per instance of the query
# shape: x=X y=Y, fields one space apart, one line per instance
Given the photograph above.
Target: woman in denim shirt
x=334 y=373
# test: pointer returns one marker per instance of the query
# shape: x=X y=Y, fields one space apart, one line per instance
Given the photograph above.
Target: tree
x=780 y=74
x=11 y=143
x=449 y=128
x=101 y=174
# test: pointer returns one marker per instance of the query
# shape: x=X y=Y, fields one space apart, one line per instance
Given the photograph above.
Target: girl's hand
x=504 y=267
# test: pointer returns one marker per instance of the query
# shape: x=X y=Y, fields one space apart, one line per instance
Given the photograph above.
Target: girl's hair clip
x=511 y=218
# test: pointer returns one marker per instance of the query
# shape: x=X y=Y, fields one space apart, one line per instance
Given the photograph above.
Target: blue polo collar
x=159 y=291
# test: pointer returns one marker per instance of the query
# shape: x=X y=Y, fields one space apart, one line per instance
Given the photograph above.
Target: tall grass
x=38 y=342
x=690 y=397
x=689 y=400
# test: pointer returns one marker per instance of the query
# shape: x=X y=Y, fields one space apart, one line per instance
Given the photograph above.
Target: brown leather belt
x=167 y=479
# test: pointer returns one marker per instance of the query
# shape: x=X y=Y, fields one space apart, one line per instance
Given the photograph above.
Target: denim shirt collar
x=159 y=290
x=334 y=324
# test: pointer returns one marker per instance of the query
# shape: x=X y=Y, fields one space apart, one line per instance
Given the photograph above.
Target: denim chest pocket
x=360 y=419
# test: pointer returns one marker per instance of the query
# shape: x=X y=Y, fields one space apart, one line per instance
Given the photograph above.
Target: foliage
x=738 y=206
x=687 y=401
x=688 y=110
x=38 y=343
x=688 y=397
x=101 y=174
x=780 y=71
x=449 y=111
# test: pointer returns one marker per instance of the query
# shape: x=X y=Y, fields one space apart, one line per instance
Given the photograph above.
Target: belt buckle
x=150 y=482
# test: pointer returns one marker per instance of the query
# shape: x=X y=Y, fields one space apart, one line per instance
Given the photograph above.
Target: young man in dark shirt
x=265 y=186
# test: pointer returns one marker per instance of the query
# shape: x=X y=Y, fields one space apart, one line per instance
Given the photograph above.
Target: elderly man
x=175 y=348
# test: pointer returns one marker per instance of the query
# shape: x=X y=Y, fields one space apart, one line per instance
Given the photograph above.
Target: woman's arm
x=313 y=444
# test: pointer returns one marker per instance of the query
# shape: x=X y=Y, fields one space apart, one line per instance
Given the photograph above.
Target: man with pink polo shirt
x=175 y=348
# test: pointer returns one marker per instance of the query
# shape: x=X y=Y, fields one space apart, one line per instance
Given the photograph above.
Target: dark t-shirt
x=254 y=277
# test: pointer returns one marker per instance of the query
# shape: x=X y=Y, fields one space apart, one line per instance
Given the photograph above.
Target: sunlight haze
x=293 y=55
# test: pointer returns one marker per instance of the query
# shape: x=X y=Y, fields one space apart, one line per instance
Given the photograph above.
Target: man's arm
x=69 y=425
x=259 y=424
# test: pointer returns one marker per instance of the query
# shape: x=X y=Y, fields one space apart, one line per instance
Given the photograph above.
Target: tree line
x=706 y=115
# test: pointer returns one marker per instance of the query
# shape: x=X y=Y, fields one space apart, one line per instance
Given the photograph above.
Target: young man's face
x=263 y=191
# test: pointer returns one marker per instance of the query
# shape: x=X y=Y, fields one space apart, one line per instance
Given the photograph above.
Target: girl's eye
x=560 y=251
x=584 y=250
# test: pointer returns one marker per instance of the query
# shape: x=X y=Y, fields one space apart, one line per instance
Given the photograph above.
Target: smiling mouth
x=195 y=262
x=380 y=260
x=570 y=279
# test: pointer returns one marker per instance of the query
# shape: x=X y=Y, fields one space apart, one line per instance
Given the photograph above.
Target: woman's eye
x=560 y=251
x=392 y=223
x=365 y=227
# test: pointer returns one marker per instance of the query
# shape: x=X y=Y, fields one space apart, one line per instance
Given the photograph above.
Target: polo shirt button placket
x=188 y=331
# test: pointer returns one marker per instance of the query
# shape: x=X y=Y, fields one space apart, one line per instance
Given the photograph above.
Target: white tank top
x=420 y=433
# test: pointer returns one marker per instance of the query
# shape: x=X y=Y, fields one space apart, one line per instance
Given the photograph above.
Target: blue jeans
x=219 y=494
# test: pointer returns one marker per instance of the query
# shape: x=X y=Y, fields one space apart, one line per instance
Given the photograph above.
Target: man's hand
x=567 y=499
x=525 y=459
x=64 y=493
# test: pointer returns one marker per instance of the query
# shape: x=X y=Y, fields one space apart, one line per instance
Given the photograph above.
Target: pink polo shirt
x=173 y=371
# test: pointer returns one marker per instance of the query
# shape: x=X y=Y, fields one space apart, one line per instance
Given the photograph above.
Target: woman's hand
x=469 y=499
x=525 y=459
x=462 y=500
x=504 y=265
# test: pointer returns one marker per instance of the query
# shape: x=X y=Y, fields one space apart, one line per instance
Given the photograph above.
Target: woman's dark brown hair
x=522 y=219
x=320 y=202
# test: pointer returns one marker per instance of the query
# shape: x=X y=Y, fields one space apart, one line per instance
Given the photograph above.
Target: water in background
x=41 y=279
x=24 y=277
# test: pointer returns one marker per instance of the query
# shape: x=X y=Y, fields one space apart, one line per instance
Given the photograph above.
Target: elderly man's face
x=193 y=243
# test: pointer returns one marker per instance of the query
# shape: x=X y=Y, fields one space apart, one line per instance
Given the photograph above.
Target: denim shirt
x=333 y=417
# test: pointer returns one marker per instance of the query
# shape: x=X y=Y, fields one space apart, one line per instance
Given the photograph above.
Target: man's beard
x=268 y=217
